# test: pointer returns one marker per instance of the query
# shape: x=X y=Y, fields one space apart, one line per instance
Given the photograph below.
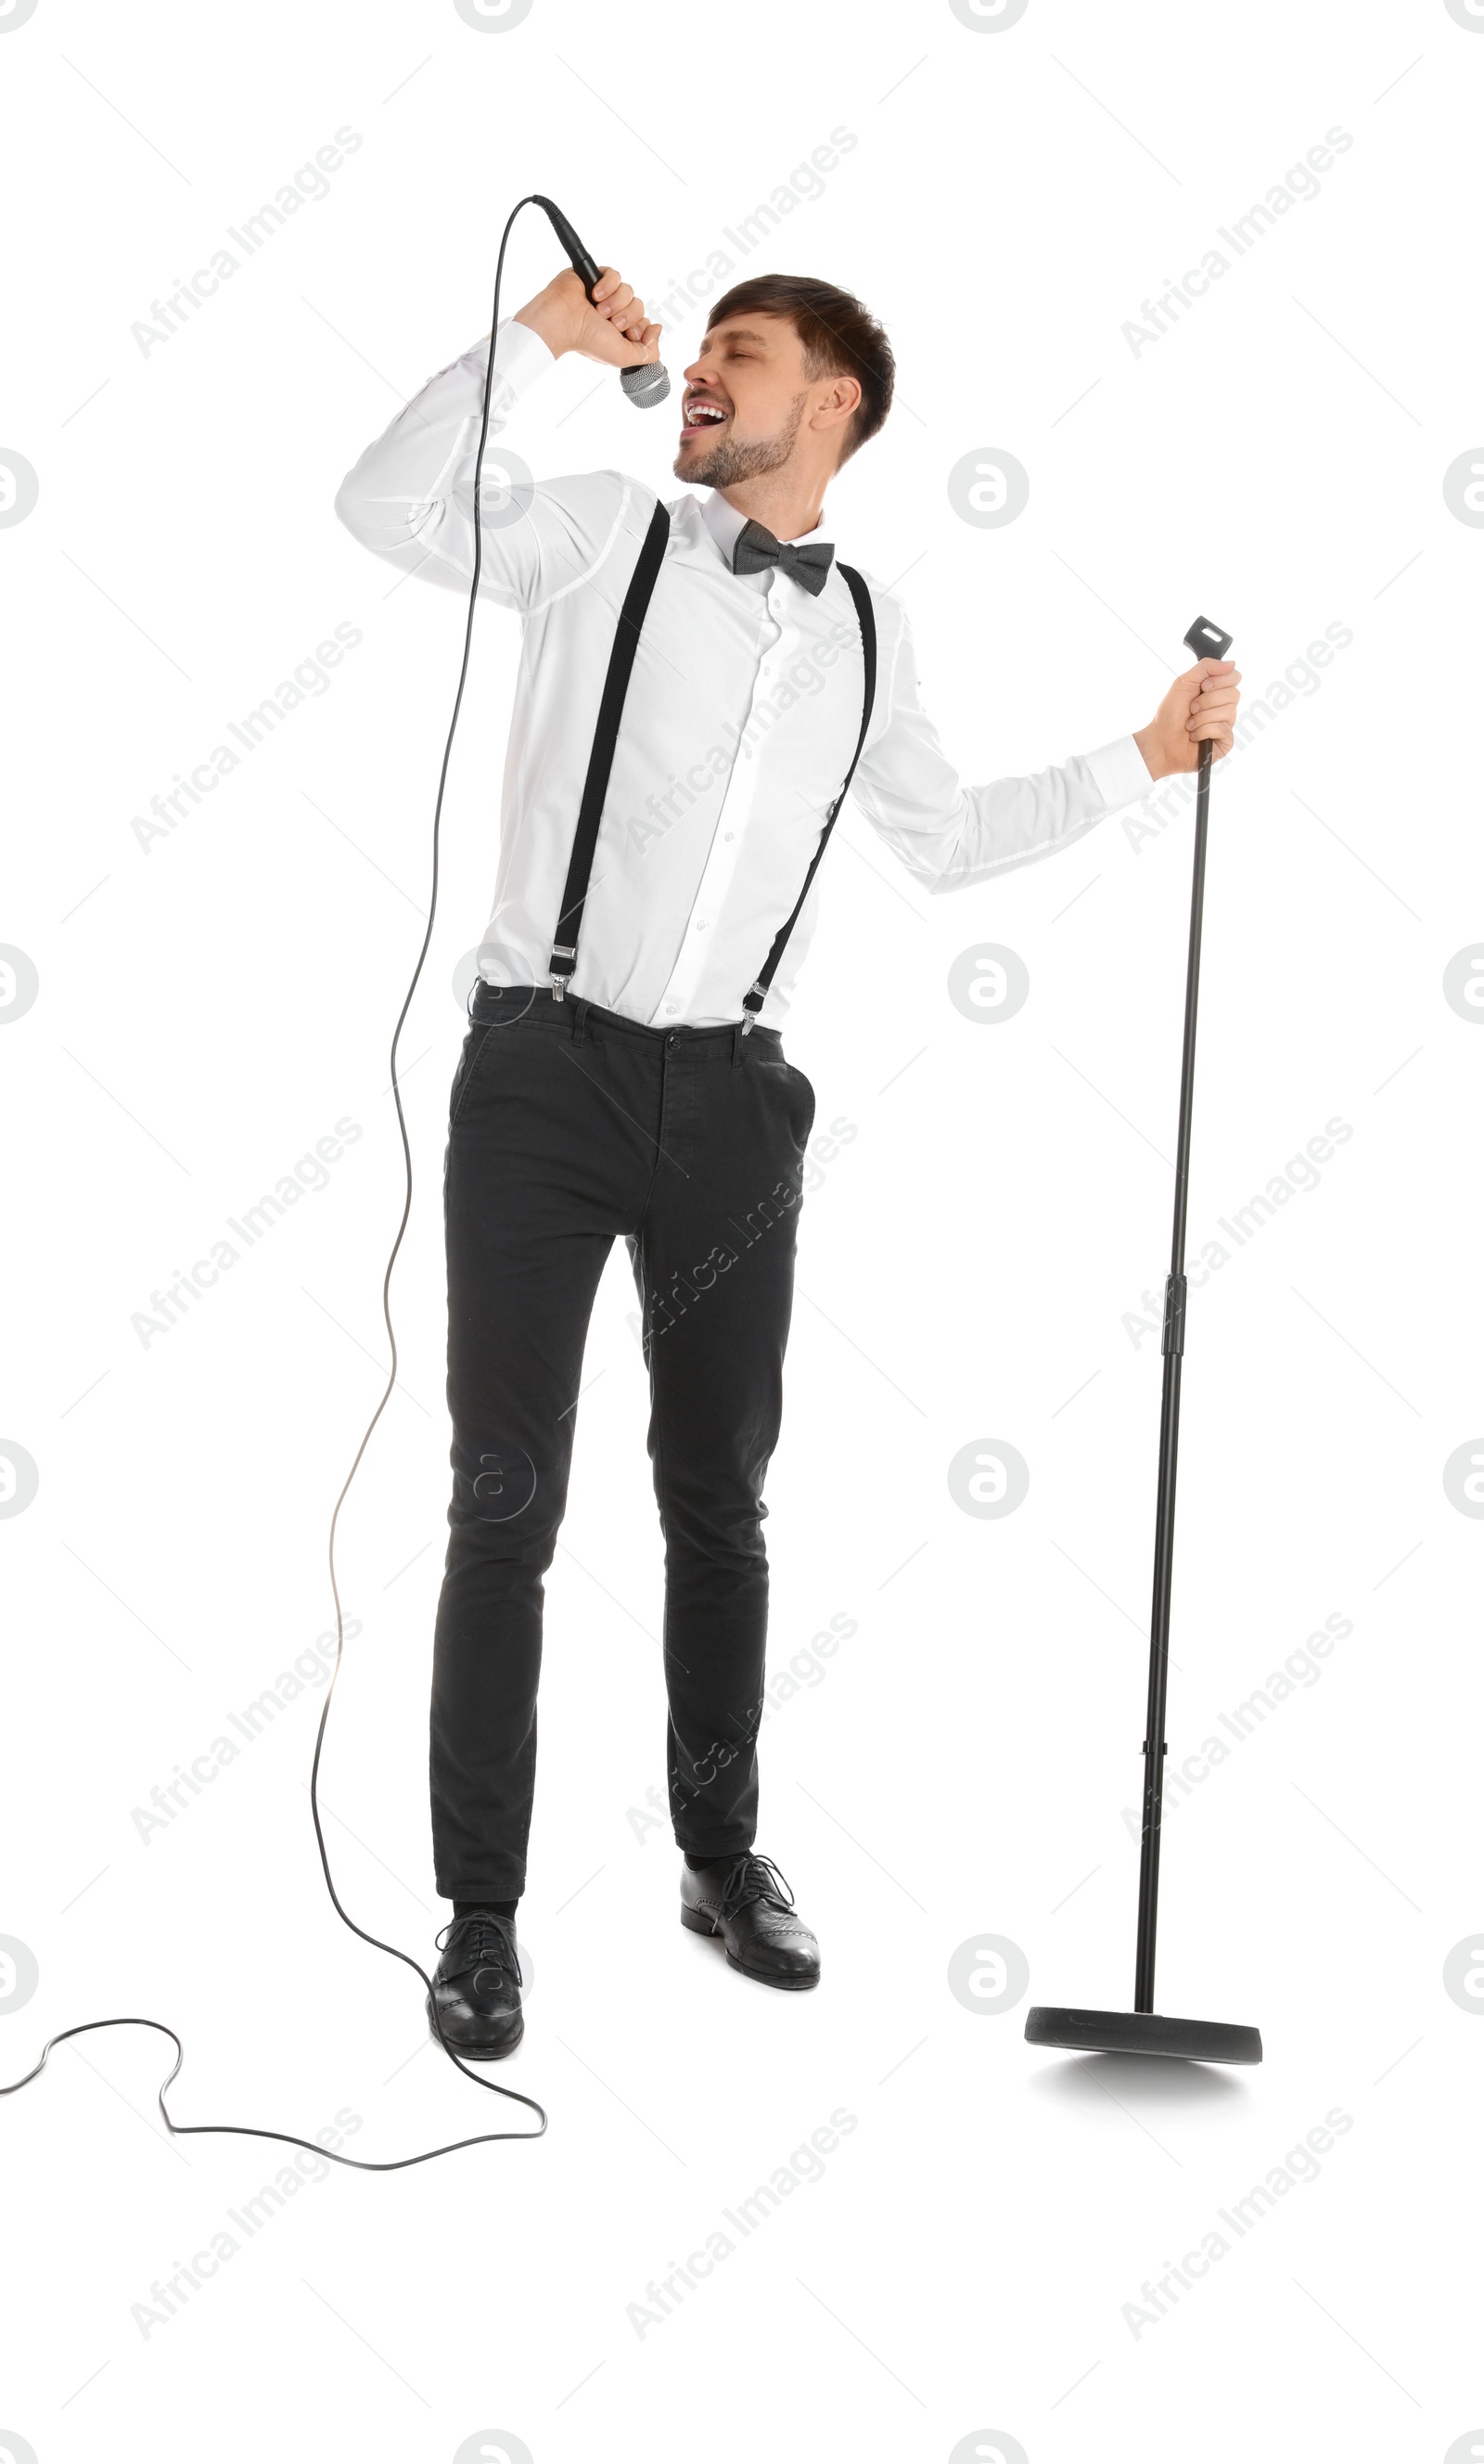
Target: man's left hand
x=1200 y=704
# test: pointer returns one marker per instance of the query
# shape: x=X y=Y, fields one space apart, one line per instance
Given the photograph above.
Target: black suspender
x=610 y=711
x=753 y=1001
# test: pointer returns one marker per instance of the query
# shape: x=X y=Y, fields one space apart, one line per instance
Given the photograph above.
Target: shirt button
x=727 y=835
x=670 y=1007
x=700 y=923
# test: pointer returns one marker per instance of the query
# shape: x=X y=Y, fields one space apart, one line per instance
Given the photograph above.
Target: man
x=696 y=682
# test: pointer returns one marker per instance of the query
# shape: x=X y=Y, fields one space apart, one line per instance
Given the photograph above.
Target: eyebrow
x=739 y=334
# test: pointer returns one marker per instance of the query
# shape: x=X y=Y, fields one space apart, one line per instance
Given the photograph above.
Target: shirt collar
x=726 y=524
x=723 y=520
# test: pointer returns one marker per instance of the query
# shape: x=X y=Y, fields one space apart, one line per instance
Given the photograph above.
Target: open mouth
x=702 y=415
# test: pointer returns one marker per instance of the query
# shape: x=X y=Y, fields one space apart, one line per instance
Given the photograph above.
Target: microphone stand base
x=1142 y=2031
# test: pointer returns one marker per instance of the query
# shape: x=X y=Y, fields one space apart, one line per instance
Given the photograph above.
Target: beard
x=732 y=460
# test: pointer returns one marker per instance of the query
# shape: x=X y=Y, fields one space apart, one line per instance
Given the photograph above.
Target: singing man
x=698 y=681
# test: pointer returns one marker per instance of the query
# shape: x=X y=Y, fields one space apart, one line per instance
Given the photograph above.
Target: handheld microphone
x=646 y=384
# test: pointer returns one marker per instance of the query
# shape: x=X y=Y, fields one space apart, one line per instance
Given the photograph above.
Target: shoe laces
x=482 y=1941
x=755 y=1880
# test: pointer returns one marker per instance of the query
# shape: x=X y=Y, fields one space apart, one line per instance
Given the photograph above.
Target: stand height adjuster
x=1173 y=1339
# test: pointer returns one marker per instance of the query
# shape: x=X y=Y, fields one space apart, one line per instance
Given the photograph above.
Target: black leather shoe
x=476 y=1985
x=746 y=1901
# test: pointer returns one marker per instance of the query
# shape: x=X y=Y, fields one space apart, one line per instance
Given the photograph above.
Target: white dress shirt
x=743 y=709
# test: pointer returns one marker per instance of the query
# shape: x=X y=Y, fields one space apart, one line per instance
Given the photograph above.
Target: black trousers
x=570 y=1126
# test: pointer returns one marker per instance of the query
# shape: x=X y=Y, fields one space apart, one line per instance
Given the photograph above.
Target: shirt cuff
x=520 y=356
x=1120 y=773
x=520 y=360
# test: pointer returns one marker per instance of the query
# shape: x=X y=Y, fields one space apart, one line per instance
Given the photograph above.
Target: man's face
x=745 y=397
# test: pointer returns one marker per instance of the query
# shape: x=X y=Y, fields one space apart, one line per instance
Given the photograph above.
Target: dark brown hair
x=840 y=338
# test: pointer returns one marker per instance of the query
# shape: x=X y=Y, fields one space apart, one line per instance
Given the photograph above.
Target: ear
x=838 y=403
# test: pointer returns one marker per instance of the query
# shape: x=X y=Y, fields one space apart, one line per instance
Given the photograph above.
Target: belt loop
x=579 y=1010
x=737 y=1033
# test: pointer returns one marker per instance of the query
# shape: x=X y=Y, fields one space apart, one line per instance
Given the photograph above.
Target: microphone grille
x=646 y=384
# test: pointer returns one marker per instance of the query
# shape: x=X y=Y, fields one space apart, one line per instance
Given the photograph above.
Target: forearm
x=403 y=498
x=950 y=836
x=1012 y=822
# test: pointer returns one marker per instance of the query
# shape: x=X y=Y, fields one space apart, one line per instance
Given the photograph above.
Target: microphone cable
x=245 y=2130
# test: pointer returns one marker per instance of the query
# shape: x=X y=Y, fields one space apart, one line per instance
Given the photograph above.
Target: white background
x=209 y=1008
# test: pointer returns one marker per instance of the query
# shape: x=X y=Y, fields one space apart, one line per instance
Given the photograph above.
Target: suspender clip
x=559 y=975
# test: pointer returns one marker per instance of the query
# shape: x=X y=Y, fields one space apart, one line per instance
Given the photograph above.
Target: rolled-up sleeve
x=410 y=497
x=950 y=835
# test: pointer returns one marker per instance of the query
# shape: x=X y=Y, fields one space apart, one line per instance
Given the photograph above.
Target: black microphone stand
x=1143 y=2031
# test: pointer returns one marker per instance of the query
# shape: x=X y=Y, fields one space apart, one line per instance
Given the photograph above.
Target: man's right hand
x=611 y=327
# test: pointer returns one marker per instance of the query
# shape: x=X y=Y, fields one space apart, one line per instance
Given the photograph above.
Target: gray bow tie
x=808 y=562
